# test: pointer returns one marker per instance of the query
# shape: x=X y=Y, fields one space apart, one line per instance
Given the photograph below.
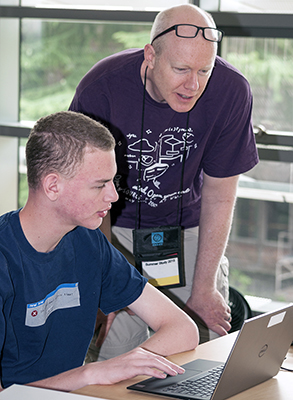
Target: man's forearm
x=136 y=362
x=218 y=199
x=167 y=320
x=213 y=237
x=214 y=228
x=66 y=381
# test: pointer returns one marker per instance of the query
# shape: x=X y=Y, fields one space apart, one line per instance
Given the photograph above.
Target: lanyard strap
x=179 y=208
x=138 y=203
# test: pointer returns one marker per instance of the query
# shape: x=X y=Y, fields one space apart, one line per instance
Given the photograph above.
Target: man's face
x=180 y=74
x=86 y=198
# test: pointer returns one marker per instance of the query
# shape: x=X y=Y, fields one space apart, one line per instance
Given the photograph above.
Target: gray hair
x=162 y=22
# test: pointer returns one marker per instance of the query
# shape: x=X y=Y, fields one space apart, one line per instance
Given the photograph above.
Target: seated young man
x=57 y=269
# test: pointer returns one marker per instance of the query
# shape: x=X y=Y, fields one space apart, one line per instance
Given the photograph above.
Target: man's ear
x=51 y=185
x=149 y=55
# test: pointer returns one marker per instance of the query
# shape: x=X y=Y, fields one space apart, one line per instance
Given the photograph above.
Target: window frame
x=272 y=145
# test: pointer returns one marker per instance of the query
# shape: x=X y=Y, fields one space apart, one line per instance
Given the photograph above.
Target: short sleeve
x=122 y=283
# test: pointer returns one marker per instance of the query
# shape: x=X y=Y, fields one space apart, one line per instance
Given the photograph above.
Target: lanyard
x=138 y=203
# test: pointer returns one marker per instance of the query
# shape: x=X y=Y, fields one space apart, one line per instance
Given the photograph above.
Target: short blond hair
x=58 y=142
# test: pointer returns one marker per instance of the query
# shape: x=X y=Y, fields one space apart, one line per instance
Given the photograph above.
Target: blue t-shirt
x=49 y=301
x=218 y=138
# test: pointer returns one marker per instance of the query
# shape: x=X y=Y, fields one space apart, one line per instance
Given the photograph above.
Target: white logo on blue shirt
x=64 y=296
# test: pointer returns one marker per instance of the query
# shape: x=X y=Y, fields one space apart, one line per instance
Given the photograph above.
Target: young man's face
x=180 y=74
x=86 y=198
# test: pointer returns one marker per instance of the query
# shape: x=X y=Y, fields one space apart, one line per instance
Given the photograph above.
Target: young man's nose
x=111 y=195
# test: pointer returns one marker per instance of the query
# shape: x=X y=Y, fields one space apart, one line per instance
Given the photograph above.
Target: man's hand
x=128 y=365
x=136 y=362
x=212 y=309
x=169 y=324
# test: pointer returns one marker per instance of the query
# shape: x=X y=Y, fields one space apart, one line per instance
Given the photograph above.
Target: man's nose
x=111 y=195
x=192 y=82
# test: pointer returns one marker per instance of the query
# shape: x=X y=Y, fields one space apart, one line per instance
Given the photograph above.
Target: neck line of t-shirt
x=26 y=247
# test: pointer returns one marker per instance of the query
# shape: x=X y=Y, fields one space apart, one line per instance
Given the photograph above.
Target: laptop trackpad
x=193 y=368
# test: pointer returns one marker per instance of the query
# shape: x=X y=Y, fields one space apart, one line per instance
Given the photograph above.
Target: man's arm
x=217 y=206
x=170 y=325
x=126 y=366
x=168 y=321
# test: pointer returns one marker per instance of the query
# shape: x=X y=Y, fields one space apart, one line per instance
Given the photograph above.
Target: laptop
x=257 y=355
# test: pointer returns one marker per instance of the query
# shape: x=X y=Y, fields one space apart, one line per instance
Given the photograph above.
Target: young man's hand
x=136 y=362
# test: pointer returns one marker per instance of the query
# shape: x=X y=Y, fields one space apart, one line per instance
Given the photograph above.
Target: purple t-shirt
x=218 y=138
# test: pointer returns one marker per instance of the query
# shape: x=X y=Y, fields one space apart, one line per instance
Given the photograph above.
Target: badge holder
x=158 y=255
x=158 y=251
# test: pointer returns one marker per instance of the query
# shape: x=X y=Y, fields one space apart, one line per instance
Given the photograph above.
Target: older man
x=181 y=117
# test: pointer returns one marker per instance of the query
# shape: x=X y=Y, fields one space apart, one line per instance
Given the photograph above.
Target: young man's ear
x=51 y=185
x=149 y=55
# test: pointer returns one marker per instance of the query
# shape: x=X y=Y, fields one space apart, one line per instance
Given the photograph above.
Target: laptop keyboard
x=202 y=387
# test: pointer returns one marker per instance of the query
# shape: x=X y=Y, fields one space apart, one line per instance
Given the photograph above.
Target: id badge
x=158 y=255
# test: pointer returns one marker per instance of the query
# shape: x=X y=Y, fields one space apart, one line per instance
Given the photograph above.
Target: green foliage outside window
x=56 y=55
x=267 y=64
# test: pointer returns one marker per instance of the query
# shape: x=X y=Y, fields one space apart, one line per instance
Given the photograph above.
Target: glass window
x=248 y=6
x=267 y=64
x=9 y=2
x=55 y=56
x=278 y=219
x=246 y=216
x=263 y=213
x=263 y=210
x=106 y=5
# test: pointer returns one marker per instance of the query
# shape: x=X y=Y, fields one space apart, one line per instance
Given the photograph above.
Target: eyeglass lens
x=190 y=31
